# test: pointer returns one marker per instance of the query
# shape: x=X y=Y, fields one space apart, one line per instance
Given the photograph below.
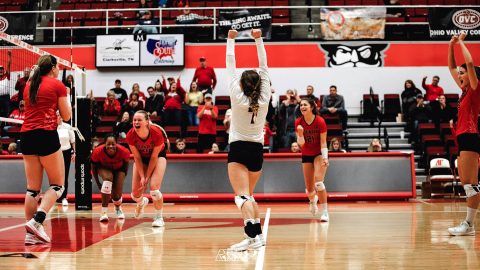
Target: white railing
x=52 y=14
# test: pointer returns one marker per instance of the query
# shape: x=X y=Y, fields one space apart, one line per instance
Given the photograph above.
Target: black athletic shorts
x=162 y=153
x=39 y=142
x=468 y=142
x=309 y=159
x=249 y=154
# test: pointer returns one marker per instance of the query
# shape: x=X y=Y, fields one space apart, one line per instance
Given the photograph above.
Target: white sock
x=104 y=209
x=257 y=220
x=158 y=213
x=324 y=206
x=471 y=213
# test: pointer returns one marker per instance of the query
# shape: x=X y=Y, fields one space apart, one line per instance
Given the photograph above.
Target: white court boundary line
x=261 y=253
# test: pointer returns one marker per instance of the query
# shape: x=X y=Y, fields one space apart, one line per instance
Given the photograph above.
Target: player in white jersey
x=249 y=95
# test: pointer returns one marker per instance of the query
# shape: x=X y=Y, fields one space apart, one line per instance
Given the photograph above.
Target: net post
x=83 y=178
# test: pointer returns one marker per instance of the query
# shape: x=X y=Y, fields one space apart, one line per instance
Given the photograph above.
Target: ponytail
x=251 y=83
x=44 y=65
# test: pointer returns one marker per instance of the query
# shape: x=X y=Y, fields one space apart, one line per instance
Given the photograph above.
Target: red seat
x=82 y=6
x=283 y=3
x=230 y=3
x=67 y=7
x=265 y=3
x=280 y=13
x=336 y=3
x=115 y=5
x=353 y=2
x=281 y=20
x=371 y=2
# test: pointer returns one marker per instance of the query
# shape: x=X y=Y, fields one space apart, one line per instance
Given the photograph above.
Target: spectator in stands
x=18 y=114
x=310 y=95
x=111 y=105
x=21 y=82
x=192 y=100
x=268 y=136
x=120 y=93
x=12 y=149
x=336 y=146
x=67 y=145
x=442 y=112
x=394 y=12
x=189 y=17
x=154 y=103
x=180 y=145
x=215 y=149
x=288 y=113
x=143 y=4
x=409 y=97
x=158 y=87
x=207 y=128
x=226 y=123
x=141 y=95
x=133 y=104
x=295 y=148
x=432 y=90
x=420 y=113
x=173 y=104
x=375 y=146
x=335 y=104
x=69 y=82
x=146 y=24
x=123 y=126
x=5 y=87
x=205 y=77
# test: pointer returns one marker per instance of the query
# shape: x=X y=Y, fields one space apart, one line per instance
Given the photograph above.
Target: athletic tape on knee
x=156 y=195
x=136 y=199
x=117 y=203
x=35 y=194
x=58 y=190
x=319 y=186
x=106 y=187
x=240 y=200
x=471 y=190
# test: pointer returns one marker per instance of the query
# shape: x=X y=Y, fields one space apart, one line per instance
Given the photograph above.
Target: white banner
x=117 y=51
x=162 y=50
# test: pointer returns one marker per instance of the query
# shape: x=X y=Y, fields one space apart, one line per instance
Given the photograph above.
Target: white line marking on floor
x=261 y=254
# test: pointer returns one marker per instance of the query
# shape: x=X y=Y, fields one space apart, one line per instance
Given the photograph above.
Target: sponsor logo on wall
x=162 y=50
x=20 y=26
x=362 y=55
x=446 y=22
x=117 y=50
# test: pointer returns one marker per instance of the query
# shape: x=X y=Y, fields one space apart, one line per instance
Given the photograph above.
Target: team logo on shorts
x=162 y=49
x=3 y=24
x=365 y=55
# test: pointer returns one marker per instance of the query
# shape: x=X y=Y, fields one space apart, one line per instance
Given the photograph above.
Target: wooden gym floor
x=360 y=235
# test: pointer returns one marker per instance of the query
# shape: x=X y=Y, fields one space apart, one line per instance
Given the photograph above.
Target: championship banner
x=446 y=22
x=353 y=23
x=244 y=21
x=20 y=26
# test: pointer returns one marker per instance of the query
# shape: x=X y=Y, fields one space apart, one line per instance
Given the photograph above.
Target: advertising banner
x=244 y=21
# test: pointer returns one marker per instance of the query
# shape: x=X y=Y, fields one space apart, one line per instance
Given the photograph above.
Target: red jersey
x=267 y=133
x=43 y=114
x=205 y=77
x=207 y=124
x=311 y=133
x=432 y=92
x=469 y=107
x=145 y=147
x=102 y=159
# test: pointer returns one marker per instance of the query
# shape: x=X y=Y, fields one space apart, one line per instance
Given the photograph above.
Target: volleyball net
x=17 y=59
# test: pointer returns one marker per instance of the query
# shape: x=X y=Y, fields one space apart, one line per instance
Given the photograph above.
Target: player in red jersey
x=466 y=131
x=148 y=143
x=43 y=96
x=110 y=161
x=312 y=137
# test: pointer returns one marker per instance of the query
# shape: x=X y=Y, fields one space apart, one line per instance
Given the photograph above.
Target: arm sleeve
x=266 y=90
x=230 y=60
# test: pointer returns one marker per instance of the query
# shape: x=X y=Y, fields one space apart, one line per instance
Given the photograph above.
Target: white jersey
x=241 y=128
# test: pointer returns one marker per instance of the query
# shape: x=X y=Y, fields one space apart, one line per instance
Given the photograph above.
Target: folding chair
x=440 y=177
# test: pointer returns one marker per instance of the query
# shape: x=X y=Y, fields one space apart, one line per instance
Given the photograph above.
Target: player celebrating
x=312 y=137
x=110 y=161
x=249 y=95
x=148 y=145
x=466 y=131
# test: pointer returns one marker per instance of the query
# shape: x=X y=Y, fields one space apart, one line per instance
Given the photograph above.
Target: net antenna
x=25 y=55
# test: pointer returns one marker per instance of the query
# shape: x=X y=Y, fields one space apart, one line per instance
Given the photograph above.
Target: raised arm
x=452 y=66
x=262 y=54
x=230 y=58
x=472 y=75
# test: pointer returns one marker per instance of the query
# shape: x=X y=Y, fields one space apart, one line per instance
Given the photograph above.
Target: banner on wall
x=140 y=51
x=244 y=21
x=446 y=22
x=353 y=23
x=21 y=26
